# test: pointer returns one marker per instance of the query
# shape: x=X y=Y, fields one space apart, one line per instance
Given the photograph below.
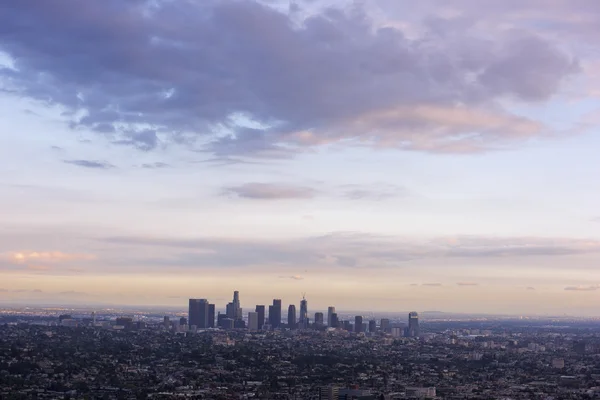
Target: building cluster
x=201 y=315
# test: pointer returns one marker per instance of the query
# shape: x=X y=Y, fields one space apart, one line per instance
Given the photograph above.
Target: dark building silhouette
x=198 y=313
x=303 y=320
x=211 y=316
x=412 y=330
x=330 y=312
x=292 y=316
x=372 y=326
x=126 y=322
x=275 y=314
x=358 y=324
x=183 y=321
x=335 y=323
x=385 y=325
x=319 y=318
x=260 y=310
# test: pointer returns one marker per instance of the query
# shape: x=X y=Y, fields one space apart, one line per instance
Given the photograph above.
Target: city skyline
x=389 y=155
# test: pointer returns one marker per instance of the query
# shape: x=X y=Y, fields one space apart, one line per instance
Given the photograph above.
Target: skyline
x=406 y=156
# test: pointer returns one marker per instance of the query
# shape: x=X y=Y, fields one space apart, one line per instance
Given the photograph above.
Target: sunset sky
x=383 y=155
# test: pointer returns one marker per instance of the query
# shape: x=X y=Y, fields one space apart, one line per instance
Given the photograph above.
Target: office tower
x=125 y=322
x=303 y=320
x=385 y=325
x=330 y=312
x=166 y=322
x=230 y=310
x=211 y=316
x=253 y=321
x=358 y=324
x=198 y=313
x=227 y=323
x=413 y=325
x=347 y=326
x=237 y=309
x=182 y=321
x=220 y=319
x=275 y=314
x=318 y=318
x=372 y=326
x=239 y=324
x=335 y=323
x=292 y=316
x=260 y=310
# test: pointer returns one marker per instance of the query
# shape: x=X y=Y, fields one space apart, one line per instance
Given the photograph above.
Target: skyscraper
x=260 y=310
x=292 y=316
x=385 y=325
x=334 y=321
x=253 y=321
x=372 y=326
x=413 y=324
x=198 y=313
x=237 y=309
x=318 y=318
x=211 y=316
x=275 y=313
x=358 y=324
x=330 y=312
x=303 y=320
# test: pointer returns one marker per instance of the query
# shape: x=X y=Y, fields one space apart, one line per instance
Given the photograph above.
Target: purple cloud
x=270 y=191
x=150 y=73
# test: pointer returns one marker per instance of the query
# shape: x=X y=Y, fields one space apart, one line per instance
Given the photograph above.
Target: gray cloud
x=529 y=288
x=72 y=293
x=155 y=165
x=432 y=284
x=90 y=164
x=373 y=192
x=254 y=79
x=270 y=191
x=343 y=250
x=468 y=284
x=583 y=288
x=292 y=277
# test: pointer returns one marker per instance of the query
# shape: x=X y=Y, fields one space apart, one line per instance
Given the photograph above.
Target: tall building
x=358 y=324
x=275 y=314
x=330 y=392
x=230 y=310
x=372 y=326
x=198 y=313
x=303 y=320
x=413 y=324
x=237 y=309
x=253 y=321
x=385 y=325
x=211 y=316
x=330 y=312
x=260 y=310
x=334 y=321
x=319 y=318
x=292 y=316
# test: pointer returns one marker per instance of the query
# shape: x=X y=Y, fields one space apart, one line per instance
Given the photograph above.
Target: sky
x=381 y=155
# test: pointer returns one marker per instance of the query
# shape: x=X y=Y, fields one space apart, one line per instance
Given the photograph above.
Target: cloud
x=155 y=165
x=292 y=277
x=583 y=288
x=23 y=257
x=90 y=164
x=270 y=191
x=529 y=288
x=72 y=293
x=256 y=79
x=345 y=250
x=37 y=291
x=372 y=192
x=432 y=284
x=414 y=284
x=468 y=284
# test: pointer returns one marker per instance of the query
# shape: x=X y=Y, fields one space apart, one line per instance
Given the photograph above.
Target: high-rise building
x=335 y=323
x=303 y=320
x=237 y=309
x=385 y=325
x=183 y=321
x=329 y=392
x=330 y=312
x=198 y=313
x=292 y=316
x=260 y=310
x=275 y=314
x=253 y=321
x=358 y=324
x=413 y=324
x=318 y=318
x=372 y=326
x=211 y=316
